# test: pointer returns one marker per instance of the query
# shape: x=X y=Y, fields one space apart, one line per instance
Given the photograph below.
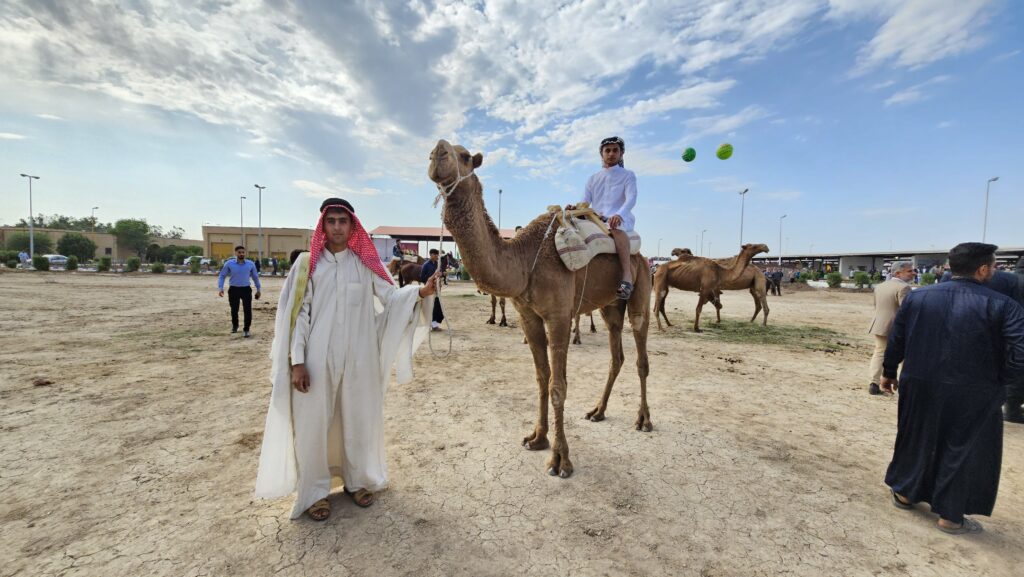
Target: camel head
x=449 y=163
x=753 y=249
x=677 y=252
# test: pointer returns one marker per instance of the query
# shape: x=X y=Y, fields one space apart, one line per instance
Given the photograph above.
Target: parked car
x=202 y=260
x=56 y=259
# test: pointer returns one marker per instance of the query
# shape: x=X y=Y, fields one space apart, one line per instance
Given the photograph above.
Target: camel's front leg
x=533 y=329
x=593 y=329
x=558 y=339
x=501 y=303
x=612 y=315
x=576 y=340
x=494 y=304
x=640 y=321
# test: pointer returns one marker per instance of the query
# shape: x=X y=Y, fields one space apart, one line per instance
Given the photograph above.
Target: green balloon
x=724 y=151
x=689 y=154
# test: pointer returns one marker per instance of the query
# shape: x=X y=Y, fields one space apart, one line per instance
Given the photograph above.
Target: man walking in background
x=961 y=344
x=426 y=273
x=888 y=297
x=239 y=270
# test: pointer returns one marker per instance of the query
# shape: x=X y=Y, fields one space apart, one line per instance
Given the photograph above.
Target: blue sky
x=870 y=123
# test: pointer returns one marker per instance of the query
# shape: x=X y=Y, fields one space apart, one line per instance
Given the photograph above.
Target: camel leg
x=494 y=304
x=757 y=303
x=593 y=329
x=533 y=328
x=613 y=318
x=764 y=305
x=701 y=299
x=501 y=303
x=718 y=307
x=639 y=320
x=576 y=340
x=660 y=295
x=559 y=329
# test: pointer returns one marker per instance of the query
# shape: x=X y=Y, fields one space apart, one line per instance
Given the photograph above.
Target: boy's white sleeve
x=630 y=193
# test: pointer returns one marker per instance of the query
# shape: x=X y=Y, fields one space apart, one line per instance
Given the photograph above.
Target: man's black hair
x=295 y=255
x=336 y=201
x=435 y=251
x=239 y=247
x=967 y=257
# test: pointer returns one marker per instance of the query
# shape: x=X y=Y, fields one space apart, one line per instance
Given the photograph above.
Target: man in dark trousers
x=429 y=268
x=240 y=271
x=961 y=345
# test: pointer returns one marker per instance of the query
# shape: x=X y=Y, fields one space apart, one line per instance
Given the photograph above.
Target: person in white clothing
x=331 y=362
x=611 y=192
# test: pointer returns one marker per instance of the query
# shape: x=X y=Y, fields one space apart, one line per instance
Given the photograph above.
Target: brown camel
x=576 y=340
x=495 y=301
x=528 y=270
x=752 y=279
x=704 y=276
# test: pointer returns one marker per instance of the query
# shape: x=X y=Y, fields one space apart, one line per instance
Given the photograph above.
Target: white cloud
x=945 y=124
x=318 y=190
x=916 y=33
x=781 y=195
x=916 y=92
x=722 y=124
x=49 y=117
x=11 y=136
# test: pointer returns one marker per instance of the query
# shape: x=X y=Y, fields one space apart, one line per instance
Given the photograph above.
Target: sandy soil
x=139 y=457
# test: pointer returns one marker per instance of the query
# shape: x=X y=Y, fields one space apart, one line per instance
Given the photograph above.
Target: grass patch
x=805 y=337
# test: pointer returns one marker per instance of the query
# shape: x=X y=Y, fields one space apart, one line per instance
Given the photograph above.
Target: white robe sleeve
x=277 y=474
x=401 y=327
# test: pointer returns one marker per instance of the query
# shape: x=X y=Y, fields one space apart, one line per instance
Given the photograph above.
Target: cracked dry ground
x=139 y=457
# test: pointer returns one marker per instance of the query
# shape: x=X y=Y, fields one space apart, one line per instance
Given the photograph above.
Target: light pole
x=984 y=227
x=499 y=212
x=702 y=241
x=31 y=229
x=241 y=220
x=259 y=218
x=780 y=237
x=94 y=209
x=743 y=198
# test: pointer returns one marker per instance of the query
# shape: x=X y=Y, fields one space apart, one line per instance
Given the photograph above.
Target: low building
x=219 y=242
x=106 y=243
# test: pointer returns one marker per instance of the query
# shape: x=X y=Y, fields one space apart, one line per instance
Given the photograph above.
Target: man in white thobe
x=326 y=416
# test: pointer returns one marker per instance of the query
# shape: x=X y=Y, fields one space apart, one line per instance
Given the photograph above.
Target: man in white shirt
x=612 y=193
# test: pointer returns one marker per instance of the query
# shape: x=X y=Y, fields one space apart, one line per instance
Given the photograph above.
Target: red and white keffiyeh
x=358 y=242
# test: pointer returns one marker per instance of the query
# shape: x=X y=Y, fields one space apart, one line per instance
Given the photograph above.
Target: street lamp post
x=499 y=212
x=702 y=241
x=93 y=218
x=984 y=226
x=259 y=218
x=743 y=198
x=780 y=237
x=31 y=229
x=241 y=220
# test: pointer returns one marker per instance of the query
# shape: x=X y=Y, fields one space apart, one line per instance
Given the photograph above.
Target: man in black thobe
x=961 y=345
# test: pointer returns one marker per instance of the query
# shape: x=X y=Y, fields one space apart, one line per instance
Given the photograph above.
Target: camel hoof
x=503 y=323
x=577 y=342
x=490 y=321
x=553 y=471
x=532 y=444
x=595 y=416
x=593 y=329
x=565 y=474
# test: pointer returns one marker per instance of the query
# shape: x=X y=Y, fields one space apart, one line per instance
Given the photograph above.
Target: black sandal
x=625 y=290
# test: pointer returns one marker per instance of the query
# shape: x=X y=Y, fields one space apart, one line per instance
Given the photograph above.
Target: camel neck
x=497 y=265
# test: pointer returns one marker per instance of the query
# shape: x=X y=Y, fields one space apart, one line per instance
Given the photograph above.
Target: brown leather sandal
x=363 y=498
x=320 y=510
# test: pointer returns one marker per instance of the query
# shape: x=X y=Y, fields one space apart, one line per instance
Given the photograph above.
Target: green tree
x=76 y=244
x=133 y=234
x=20 y=240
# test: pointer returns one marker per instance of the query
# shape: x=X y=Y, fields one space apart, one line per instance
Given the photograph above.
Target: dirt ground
x=139 y=455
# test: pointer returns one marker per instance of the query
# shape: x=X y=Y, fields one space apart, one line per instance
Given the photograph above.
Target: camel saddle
x=410 y=258
x=582 y=234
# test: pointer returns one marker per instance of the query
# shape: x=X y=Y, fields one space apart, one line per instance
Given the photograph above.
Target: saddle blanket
x=582 y=239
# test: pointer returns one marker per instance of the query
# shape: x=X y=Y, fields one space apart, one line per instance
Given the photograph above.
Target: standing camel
x=704 y=276
x=576 y=340
x=495 y=301
x=528 y=270
x=752 y=279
